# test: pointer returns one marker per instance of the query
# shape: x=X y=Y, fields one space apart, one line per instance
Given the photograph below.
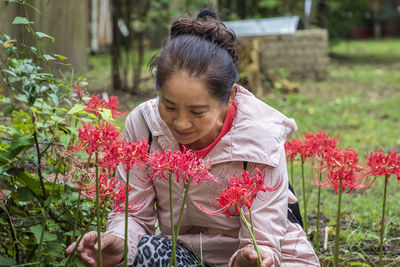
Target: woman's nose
x=182 y=122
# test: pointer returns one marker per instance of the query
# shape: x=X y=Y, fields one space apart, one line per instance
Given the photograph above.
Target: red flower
x=384 y=165
x=342 y=165
x=78 y=90
x=312 y=145
x=185 y=165
x=94 y=105
x=134 y=154
x=319 y=143
x=292 y=148
x=95 y=139
x=107 y=187
x=241 y=191
x=118 y=201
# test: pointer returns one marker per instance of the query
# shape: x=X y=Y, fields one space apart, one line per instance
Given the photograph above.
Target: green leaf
x=21 y=20
x=43 y=35
x=32 y=183
x=37 y=232
x=48 y=57
x=61 y=57
x=25 y=194
x=76 y=108
x=4 y=261
x=57 y=118
x=18 y=144
x=65 y=138
x=106 y=114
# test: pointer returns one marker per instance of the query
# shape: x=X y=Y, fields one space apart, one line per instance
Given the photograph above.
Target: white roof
x=260 y=27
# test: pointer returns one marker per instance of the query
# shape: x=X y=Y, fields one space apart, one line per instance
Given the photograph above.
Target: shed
x=275 y=43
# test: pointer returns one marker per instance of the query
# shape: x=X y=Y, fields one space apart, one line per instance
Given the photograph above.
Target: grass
x=358 y=104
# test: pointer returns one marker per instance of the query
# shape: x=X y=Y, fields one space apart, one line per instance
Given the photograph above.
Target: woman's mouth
x=183 y=133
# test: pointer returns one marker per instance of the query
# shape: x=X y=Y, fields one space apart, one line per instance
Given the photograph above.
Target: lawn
x=358 y=104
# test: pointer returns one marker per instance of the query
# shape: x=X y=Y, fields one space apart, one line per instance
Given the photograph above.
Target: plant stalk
x=336 y=253
x=383 y=221
x=126 y=220
x=304 y=200
x=99 y=257
x=252 y=236
x=172 y=260
x=318 y=216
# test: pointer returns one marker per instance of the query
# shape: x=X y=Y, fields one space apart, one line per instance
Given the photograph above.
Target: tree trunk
x=115 y=46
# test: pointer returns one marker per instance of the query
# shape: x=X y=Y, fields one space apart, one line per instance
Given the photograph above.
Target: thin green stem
x=251 y=234
x=126 y=220
x=39 y=247
x=336 y=253
x=251 y=221
x=291 y=172
x=383 y=221
x=181 y=212
x=304 y=200
x=318 y=215
x=99 y=257
x=171 y=214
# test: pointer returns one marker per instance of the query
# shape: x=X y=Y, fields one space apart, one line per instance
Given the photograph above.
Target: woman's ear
x=232 y=96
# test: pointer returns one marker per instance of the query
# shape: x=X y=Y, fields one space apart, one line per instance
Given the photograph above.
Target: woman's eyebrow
x=167 y=100
x=191 y=106
x=199 y=106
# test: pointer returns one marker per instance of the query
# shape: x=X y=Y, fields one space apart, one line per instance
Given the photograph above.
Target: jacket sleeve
x=142 y=221
x=269 y=212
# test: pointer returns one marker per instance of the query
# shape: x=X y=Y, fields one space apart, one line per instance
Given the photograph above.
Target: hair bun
x=206 y=12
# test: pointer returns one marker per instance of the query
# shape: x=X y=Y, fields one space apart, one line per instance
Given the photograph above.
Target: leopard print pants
x=155 y=251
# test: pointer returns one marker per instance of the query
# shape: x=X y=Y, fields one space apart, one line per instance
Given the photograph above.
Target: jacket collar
x=257 y=135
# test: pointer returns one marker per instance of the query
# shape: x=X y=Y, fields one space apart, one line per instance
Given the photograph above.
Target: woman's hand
x=247 y=257
x=112 y=249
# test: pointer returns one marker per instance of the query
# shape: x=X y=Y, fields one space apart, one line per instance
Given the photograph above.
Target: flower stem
x=181 y=212
x=336 y=253
x=172 y=260
x=383 y=221
x=291 y=172
x=318 y=215
x=99 y=257
x=251 y=234
x=304 y=200
x=126 y=220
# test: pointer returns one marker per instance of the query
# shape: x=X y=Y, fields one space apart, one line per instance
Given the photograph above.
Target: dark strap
x=149 y=140
x=294 y=214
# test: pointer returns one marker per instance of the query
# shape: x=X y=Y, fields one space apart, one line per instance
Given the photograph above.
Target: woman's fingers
x=111 y=242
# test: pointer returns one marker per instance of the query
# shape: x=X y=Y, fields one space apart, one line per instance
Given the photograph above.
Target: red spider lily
x=110 y=190
x=94 y=139
x=78 y=90
x=95 y=104
x=185 y=165
x=292 y=148
x=107 y=188
x=241 y=191
x=134 y=154
x=118 y=202
x=384 y=165
x=342 y=165
x=318 y=144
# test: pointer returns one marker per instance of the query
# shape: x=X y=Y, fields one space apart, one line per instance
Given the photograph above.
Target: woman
x=202 y=108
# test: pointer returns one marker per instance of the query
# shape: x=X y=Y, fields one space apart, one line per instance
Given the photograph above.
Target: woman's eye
x=169 y=108
x=197 y=113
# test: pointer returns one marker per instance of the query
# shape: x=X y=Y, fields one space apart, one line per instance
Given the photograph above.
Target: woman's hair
x=204 y=48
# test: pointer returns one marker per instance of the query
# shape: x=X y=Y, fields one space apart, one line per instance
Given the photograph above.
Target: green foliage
x=41 y=210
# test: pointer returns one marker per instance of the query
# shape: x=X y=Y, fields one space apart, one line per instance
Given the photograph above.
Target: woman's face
x=194 y=117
